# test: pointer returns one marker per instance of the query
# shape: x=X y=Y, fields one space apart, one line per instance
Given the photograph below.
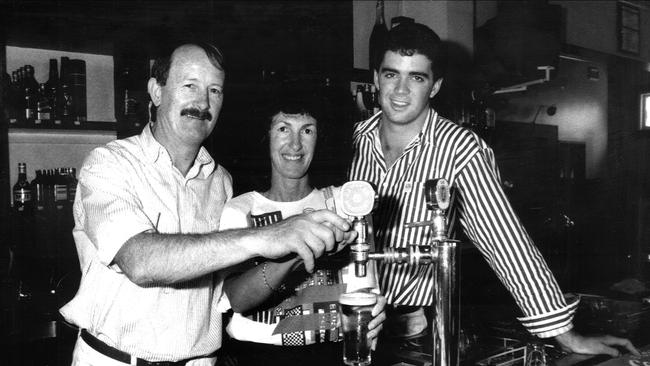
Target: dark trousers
x=238 y=353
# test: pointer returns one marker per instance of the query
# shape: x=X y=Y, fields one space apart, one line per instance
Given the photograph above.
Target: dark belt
x=121 y=356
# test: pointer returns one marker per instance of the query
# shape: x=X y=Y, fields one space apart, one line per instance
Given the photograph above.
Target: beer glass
x=356 y=313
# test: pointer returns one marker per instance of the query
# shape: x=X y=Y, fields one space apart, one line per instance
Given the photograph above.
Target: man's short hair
x=161 y=66
x=408 y=39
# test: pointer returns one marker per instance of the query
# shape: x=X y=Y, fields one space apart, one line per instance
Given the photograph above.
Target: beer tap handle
x=357 y=201
x=436 y=194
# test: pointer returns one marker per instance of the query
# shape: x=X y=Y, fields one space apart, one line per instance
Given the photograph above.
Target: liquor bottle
x=48 y=188
x=22 y=192
x=52 y=91
x=66 y=106
x=64 y=101
x=76 y=70
x=38 y=191
x=377 y=36
x=71 y=178
x=31 y=94
x=60 y=188
x=374 y=99
x=367 y=100
x=14 y=99
x=43 y=108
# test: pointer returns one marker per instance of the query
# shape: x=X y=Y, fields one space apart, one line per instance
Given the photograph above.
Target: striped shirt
x=125 y=188
x=445 y=150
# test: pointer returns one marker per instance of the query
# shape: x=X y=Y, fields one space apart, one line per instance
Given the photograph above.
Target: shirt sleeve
x=233 y=217
x=492 y=225
x=112 y=213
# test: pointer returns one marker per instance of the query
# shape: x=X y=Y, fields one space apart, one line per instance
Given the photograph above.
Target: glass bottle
x=71 y=178
x=60 y=189
x=48 y=188
x=22 y=191
x=66 y=105
x=43 y=108
x=52 y=91
x=31 y=94
x=38 y=190
x=377 y=36
x=14 y=98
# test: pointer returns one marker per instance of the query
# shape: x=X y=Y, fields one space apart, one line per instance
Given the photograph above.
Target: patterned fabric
x=479 y=205
x=294 y=338
x=308 y=314
x=125 y=188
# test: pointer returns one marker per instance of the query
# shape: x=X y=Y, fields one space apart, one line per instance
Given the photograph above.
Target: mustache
x=196 y=113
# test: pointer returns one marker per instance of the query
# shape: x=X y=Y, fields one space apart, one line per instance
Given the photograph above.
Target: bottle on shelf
x=377 y=36
x=52 y=91
x=66 y=106
x=38 y=191
x=31 y=94
x=71 y=178
x=60 y=188
x=65 y=103
x=22 y=191
x=43 y=108
x=14 y=100
x=48 y=189
x=76 y=70
x=374 y=99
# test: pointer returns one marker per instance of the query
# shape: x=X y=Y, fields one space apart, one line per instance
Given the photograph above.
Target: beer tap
x=440 y=251
x=358 y=199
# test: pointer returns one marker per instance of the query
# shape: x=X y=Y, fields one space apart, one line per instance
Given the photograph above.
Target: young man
x=408 y=143
x=146 y=218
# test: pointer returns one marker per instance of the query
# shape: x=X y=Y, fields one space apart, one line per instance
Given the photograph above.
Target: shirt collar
x=153 y=151
x=152 y=148
x=371 y=125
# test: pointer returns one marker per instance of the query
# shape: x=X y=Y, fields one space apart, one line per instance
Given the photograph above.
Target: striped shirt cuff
x=552 y=323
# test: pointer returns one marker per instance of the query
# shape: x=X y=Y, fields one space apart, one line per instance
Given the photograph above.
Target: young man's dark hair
x=408 y=39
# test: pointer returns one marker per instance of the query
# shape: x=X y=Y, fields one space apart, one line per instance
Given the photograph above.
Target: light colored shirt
x=125 y=188
x=309 y=314
x=445 y=150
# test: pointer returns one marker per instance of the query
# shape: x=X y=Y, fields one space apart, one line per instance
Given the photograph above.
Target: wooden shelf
x=85 y=126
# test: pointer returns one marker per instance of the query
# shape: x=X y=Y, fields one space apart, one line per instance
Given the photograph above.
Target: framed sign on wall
x=628 y=28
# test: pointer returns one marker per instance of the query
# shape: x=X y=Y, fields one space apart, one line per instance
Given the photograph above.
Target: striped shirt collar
x=153 y=151
x=426 y=135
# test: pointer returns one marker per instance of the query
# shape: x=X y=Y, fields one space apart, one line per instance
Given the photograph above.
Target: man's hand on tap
x=308 y=235
x=573 y=342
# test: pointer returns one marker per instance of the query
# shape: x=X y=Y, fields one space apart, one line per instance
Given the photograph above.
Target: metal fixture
x=440 y=251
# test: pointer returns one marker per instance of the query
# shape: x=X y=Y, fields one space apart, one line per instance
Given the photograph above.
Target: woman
x=282 y=314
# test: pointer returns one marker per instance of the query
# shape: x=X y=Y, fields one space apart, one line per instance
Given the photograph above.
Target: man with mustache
x=408 y=143
x=146 y=218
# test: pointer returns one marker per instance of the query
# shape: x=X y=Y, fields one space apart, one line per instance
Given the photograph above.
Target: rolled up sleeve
x=492 y=225
x=111 y=211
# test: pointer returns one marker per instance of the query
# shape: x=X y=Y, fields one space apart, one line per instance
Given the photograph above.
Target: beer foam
x=358 y=299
